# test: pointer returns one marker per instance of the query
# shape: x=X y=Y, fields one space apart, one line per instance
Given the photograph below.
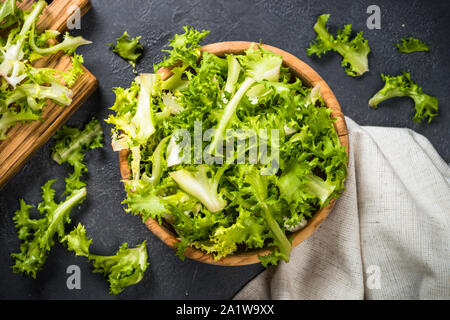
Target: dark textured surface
x=281 y=23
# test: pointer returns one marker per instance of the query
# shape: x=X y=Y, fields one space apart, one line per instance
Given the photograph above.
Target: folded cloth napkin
x=388 y=236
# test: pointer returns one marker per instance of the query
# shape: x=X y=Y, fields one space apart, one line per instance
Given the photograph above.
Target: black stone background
x=281 y=23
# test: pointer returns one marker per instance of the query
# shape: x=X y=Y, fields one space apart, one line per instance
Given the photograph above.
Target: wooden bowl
x=308 y=77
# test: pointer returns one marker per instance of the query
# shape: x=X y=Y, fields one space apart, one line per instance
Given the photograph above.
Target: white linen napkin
x=388 y=236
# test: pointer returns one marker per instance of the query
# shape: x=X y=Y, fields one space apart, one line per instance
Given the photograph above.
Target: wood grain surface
x=25 y=139
x=309 y=77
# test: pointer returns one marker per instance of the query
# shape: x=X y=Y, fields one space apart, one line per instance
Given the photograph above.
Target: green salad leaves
x=37 y=234
x=25 y=88
x=128 y=48
x=233 y=152
x=9 y=14
x=125 y=268
x=409 y=45
x=425 y=105
x=354 y=51
x=71 y=146
x=185 y=48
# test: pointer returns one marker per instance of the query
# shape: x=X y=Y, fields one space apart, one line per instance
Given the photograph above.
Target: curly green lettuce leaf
x=298 y=183
x=158 y=163
x=234 y=70
x=409 y=45
x=75 y=71
x=72 y=143
x=37 y=235
x=145 y=200
x=77 y=241
x=354 y=51
x=71 y=146
x=426 y=106
x=134 y=119
x=147 y=203
x=249 y=230
x=31 y=96
x=68 y=45
x=9 y=118
x=128 y=48
x=125 y=268
x=125 y=107
x=200 y=94
x=15 y=51
x=9 y=14
x=185 y=48
x=7 y=8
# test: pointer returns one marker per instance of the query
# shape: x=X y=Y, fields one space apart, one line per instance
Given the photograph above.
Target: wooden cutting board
x=25 y=139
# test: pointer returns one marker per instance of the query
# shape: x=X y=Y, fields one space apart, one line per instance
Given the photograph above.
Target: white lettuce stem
x=230 y=110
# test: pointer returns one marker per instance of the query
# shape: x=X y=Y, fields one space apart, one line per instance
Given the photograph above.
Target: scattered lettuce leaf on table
x=354 y=51
x=409 y=45
x=37 y=234
x=71 y=146
x=125 y=268
x=128 y=48
x=185 y=49
x=426 y=106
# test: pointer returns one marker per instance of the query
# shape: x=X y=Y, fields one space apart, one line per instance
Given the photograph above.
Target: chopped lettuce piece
x=128 y=48
x=354 y=51
x=38 y=234
x=125 y=268
x=426 y=106
x=409 y=45
x=185 y=48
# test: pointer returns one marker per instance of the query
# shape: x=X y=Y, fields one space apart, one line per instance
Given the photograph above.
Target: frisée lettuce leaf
x=426 y=106
x=409 y=45
x=354 y=51
x=128 y=48
x=125 y=268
